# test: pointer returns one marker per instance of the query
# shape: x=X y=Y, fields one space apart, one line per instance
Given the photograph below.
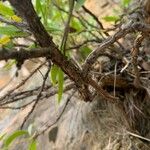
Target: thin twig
x=138 y=136
x=15 y=108
x=115 y=78
x=83 y=43
x=38 y=96
x=67 y=28
x=43 y=97
x=95 y=18
x=131 y=27
x=58 y=118
x=134 y=53
x=20 y=84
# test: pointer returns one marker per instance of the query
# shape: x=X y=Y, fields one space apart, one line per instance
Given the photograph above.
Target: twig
x=80 y=77
x=43 y=97
x=67 y=28
x=23 y=54
x=58 y=118
x=138 y=136
x=131 y=27
x=76 y=74
x=83 y=43
x=18 y=96
x=21 y=26
x=115 y=78
x=85 y=23
x=126 y=66
x=45 y=40
x=134 y=53
x=38 y=96
x=95 y=18
x=15 y=108
x=20 y=84
x=102 y=92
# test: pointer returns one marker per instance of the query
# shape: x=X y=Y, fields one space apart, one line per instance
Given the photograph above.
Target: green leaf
x=4 y=40
x=16 y=18
x=60 y=84
x=111 y=18
x=76 y=24
x=53 y=74
x=13 y=136
x=11 y=31
x=38 y=6
x=126 y=3
x=41 y=8
x=85 y=51
x=2 y=136
x=32 y=145
x=9 y=45
x=5 y=10
x=9 y=64
x=57 y=75
x=53 y=28
x=46 y=10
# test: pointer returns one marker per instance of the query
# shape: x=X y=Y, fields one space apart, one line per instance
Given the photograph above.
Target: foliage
x=117 y=12
x=53 y=14
x=27 y=135
x=53 y=20
x=6 y=10
x=57 y=76
x=73 y=28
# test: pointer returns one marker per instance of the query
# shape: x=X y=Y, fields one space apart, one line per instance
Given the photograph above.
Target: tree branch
x=131 y=27
x=26 y=10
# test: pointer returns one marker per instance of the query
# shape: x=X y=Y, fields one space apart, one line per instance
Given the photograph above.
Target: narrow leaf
x=4 y=40
x=2 y=136
x=60 y=84
x=111 y=18
x=76 y=25
x=16 y=18
x=13 y=136
x=38 y=6
x=9 y=64
x=11 y=31
x=32 y=145
x=53 y=74
x=126 y=3
x=5 y=10
x=85 y=51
